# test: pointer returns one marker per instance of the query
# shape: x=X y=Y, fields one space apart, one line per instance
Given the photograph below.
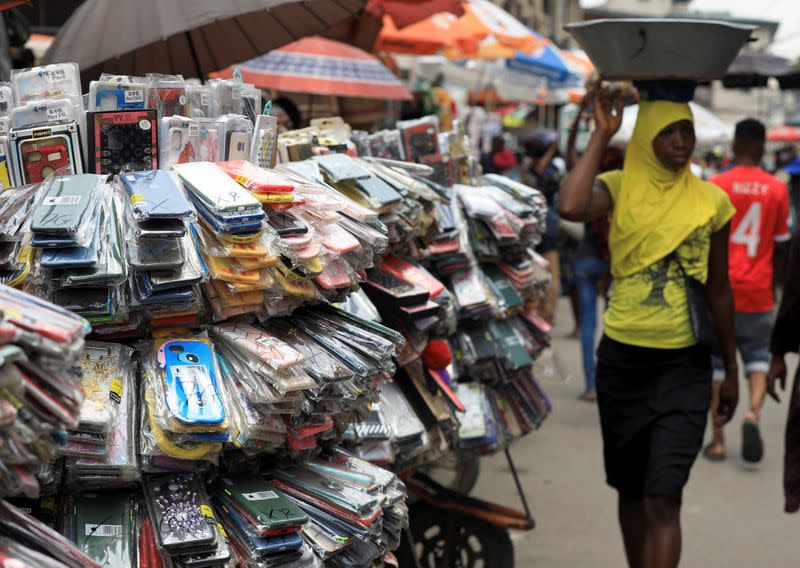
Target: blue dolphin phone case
x=156 y=194
x=190 y=381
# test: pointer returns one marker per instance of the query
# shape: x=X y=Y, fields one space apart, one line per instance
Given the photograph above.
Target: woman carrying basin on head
x=653 y=377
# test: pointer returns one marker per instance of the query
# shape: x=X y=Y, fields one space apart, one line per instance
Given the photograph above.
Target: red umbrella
x=407 y=12
x=783 y=134
x=321 y=67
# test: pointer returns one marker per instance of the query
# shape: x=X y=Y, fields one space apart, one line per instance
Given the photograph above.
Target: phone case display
x=123 y=141
x=251 y=103
x=420 y=137
x=40 y=152
x=226 y=97
x=6 y=99
x=112 y=93
x=238 y=377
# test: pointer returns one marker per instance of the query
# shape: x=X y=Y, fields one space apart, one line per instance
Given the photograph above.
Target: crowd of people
x=688 y=262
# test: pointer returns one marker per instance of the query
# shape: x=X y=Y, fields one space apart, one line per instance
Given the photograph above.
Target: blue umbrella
x=545 y=61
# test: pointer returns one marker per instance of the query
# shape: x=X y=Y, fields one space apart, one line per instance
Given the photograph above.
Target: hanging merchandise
x=222 y=346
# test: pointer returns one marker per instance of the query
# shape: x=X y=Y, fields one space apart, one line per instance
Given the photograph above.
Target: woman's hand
x=608 y=107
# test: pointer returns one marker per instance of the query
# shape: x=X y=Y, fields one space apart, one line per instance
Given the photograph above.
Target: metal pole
x=513 y=469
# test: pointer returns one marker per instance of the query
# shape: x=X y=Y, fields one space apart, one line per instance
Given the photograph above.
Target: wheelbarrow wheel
x=477 y=544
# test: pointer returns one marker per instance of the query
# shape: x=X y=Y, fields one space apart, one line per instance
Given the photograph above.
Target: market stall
x=223 y=345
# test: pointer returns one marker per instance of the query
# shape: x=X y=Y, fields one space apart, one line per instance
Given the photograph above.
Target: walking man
x=761 y=221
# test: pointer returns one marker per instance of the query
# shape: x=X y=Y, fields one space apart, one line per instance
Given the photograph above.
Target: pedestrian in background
x=757 y=229
x=653 y=377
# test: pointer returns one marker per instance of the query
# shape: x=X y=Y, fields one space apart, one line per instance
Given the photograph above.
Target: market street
x=733 y=514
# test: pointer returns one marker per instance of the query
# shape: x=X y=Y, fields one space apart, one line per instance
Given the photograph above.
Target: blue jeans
x=588 y=272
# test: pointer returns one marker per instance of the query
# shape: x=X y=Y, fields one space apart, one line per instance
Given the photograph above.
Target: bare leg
x=662 y=547
x=758 y=390
x=752 y=444
x=717 y=446
x=632 y=520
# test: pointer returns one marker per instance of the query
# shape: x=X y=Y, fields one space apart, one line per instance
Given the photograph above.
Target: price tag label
x=260 y=496
x=134 y=96
x=56 y=113
x=116 y=391
x=62 y=200
x=194 y=130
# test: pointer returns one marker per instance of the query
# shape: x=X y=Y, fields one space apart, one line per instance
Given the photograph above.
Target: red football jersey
x=762 y=218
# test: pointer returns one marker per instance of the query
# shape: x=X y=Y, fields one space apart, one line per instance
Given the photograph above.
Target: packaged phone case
x=341 y=167
x=256 y=179
x=211 y=147
x=346 y=497
x=177 y=504
x=104 y=527
x=156 y=194
x=68 y=205
x=263 y=149
x=251 y=102
x=123 y=141
x=146 y=254
x=40 y=152
x=46 y=82
x=259 y=343
x=167 y=94
x=215 y=189
x=267 y=509
x=238 y=136
x=179 y=141
x=198 y=99
x=117 y=93
x=190 y=376
x=42 y=113
x=420 y=137
x=226 y=96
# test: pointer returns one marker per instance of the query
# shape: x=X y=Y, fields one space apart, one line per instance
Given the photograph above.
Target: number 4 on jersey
x=748 y=232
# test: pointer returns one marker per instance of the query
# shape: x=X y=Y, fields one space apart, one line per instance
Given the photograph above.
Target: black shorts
x=653 y=405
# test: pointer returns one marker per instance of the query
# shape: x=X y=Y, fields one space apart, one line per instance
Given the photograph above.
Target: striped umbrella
x=321 y=66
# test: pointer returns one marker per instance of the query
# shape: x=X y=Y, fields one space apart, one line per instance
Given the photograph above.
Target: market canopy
x=188 y=37
x=783 y=134
x=321 y=66
x=407 y=12
x=426 y=37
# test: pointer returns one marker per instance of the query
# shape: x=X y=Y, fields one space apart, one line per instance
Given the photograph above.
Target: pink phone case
x=259 y=342
x=336 y=239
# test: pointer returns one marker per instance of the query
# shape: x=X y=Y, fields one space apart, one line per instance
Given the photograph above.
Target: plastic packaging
x=46 y=82
x=226 y=97
x=211 y=146
x=263 y=149
x=40 y=152
x=167 y=94
x=199 y=101
x=42 y=113
x=112 y=92
x=238 y=137
x=179 y=141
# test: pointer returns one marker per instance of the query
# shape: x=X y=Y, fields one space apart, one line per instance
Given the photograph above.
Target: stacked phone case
x=269 y=342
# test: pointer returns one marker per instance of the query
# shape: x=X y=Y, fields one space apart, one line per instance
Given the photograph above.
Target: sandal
x=752 y=444
x=588 y=396
x=713 y=456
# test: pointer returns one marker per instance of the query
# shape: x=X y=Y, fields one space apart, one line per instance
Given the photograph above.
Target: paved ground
x=732 y=513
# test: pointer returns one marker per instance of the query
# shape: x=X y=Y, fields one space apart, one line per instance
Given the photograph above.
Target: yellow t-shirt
x=648 y=309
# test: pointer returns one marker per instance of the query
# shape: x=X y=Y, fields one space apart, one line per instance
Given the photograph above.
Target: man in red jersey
x=761 y=221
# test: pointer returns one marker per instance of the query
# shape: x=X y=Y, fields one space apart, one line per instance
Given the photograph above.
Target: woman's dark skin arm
x=786 y=331
x=720 y=301
x=581 y=198
x=572 y=155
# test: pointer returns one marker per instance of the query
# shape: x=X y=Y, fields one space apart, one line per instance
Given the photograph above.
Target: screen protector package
x=42 y=113
x=59 y=80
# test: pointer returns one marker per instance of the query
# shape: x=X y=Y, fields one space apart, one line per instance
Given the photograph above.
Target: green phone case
x=264 y=504
x=104 y=528
x=65 y=205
